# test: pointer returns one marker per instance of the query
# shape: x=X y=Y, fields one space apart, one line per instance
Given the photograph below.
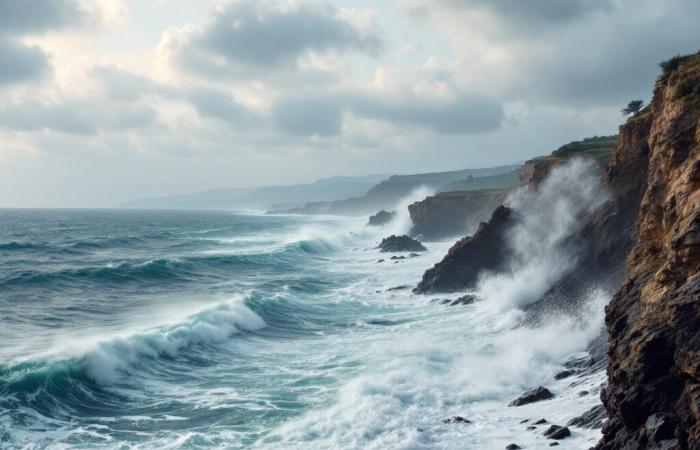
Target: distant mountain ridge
x=325 y=189
x=387 y=193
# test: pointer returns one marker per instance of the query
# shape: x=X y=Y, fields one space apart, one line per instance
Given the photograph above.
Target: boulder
x=557 y=432
x=381 y=218
x=395 y=244
x=456 y=419
x=532 y=396
x=593 y=418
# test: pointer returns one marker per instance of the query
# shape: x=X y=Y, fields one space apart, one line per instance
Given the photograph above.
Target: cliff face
x=653 y=321
x=453 y=213
x=486 y=250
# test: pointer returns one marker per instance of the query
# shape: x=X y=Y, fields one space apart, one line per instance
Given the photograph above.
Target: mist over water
x=214 y=330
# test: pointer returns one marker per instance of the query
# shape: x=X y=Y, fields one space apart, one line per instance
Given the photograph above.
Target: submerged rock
x=381 y=218
x=564 y=374
x=532 y=396
x=395 y=244
x=593 y=418
x=557 y=432
x=456 y=419
x=463 y=300
x=398 y=288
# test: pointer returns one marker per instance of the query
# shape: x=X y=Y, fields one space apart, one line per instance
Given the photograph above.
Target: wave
x=18 y=246
x=107 y=361
x=175 y=268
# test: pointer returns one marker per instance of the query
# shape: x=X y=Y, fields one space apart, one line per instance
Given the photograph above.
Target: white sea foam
x=110 y=357
x=547 y=217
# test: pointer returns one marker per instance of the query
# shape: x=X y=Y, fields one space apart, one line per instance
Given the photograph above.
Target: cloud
x=323 y=116
x=309 y=116
x=465 y=114
x=265 y=35
x=21 y=62
x=534 y=12
x=215 y=103
x=37 y=16
x=74 y=116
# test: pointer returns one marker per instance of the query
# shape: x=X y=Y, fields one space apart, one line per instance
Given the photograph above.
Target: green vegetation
x=633 y=108
x=590 y=146
x=670 y=65
x=685 y=87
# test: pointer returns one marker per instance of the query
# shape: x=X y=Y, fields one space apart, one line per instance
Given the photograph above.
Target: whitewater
x=178 y=330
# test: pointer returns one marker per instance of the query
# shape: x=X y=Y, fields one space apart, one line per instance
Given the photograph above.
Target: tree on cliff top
x=633 y=108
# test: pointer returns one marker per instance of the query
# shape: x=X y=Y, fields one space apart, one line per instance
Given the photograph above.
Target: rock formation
x=381 y=218
x=653 y=321
x=460 y=269
x=451 y=214
x=396 y=244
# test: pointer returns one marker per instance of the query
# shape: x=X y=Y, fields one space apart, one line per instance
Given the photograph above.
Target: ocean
x=127 y=329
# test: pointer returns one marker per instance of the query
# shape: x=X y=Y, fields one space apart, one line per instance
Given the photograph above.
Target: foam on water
x=318 y=353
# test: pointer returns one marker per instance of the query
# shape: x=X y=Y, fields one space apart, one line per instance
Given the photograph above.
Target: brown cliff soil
x=653 y=321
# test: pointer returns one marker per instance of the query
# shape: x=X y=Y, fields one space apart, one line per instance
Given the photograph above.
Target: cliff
x=450 y=214
x=388 y=193
x=484 y=251
x=602 y=243
x=597 y=148
x=653 y=320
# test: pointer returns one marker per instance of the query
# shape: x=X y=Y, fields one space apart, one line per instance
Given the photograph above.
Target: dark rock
x=463 y=300
x=456 y=419
x=564 y=374
x=485 y=251
x=531 y=396
x=541 y=422
x=512 y=447
x=525 y=421
x=381 y=218
x=557 y=432
x=380 y=261
x=397 y=257
x=531 y=427
x=660 y=427
x=398 y=288
x=654 y=317
x=583 y=393
x=453 y=214
x=395 y=244
x=593 y=418
x=554 y=444
x=413 y=255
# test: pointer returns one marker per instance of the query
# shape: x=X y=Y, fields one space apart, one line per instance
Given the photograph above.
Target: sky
x=106 y=101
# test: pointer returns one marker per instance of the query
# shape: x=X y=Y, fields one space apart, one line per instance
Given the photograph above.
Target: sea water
x=174 y=329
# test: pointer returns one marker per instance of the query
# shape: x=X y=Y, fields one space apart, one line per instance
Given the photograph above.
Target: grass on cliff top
x=596 y=147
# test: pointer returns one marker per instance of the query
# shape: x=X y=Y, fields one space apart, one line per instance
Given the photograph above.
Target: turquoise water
x=143 y=329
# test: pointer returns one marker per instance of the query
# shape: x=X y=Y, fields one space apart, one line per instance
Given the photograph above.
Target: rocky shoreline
x=643 y=243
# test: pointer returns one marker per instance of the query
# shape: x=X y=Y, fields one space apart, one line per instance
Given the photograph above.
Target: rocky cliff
x=484 y=251
x=653 y=320
x=450 y=214
x=596 y=148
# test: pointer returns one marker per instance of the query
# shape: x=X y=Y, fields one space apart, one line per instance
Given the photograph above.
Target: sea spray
x=547 y=217
x=401 y=224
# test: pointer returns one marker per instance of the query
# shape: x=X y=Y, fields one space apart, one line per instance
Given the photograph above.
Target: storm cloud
x=266 y=34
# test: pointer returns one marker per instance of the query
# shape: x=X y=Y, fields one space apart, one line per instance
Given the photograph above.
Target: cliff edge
x=653 y=321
